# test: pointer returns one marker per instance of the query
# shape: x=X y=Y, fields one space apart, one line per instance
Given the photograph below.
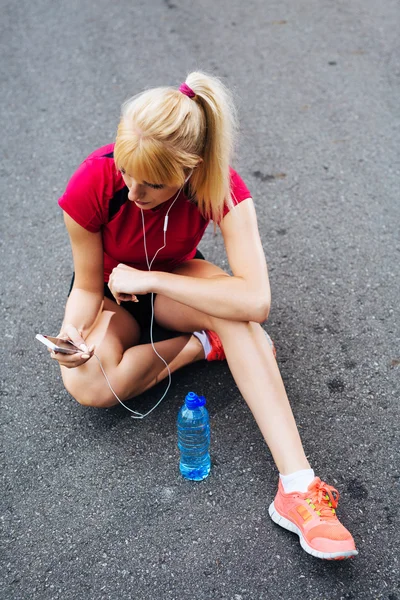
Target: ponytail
x=210 y=181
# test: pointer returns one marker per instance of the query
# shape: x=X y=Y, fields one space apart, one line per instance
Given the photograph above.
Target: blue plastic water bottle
x=194 y=438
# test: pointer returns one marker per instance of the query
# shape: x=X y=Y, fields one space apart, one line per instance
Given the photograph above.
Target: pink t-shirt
x=96 y=198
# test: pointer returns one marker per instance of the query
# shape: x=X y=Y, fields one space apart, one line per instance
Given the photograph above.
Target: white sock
x=298 y=481
x=205 y=342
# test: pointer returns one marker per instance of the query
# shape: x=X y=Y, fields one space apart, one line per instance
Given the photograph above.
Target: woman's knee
x=220 y=325
x=89 y=393
x=96 y=401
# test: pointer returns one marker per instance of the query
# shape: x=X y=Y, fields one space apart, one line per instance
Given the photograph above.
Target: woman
x=135 y=212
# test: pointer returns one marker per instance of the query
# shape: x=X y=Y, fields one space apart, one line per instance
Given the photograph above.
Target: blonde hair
x=164 y=134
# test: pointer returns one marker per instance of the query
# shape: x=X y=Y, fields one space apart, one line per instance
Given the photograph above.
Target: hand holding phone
x=64 y=350
x=58 y=344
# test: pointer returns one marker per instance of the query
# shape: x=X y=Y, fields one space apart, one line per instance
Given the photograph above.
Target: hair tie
x=186 y=90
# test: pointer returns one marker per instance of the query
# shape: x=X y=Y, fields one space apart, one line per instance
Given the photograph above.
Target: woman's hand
x=126 y=282
x=83 y=353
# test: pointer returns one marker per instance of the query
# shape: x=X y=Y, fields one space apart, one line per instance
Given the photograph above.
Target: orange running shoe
x=217 y=350
x=313 y=517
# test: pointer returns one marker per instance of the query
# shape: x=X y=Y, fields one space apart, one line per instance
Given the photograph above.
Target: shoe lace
x=323 y=498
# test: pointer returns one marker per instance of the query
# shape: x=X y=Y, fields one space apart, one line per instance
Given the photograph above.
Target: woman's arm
x=244 y=297
x=86 y=298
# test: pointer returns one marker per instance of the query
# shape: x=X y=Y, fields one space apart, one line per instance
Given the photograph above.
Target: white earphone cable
x=136 y=414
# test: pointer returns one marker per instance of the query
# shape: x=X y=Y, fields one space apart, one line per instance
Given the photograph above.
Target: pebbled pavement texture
x=93 y=506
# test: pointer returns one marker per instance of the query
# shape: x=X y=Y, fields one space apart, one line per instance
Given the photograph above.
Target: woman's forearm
x=82 y=309
x=221 y=296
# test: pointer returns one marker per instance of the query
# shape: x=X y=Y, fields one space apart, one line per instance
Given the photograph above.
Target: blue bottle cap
x=192 y=400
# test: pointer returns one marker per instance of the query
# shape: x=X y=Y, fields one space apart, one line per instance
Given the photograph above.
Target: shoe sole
x=286 y=524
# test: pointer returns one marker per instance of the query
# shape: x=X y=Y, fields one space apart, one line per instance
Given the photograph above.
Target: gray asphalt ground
x=93 y=506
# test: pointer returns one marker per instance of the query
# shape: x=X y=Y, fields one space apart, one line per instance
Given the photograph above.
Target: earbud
x=188 y=177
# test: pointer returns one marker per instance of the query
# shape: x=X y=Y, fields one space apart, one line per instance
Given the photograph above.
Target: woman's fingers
x=71 y=361
x=126 y=298
x=75 y=337
x=125 y=283
x=83 y=352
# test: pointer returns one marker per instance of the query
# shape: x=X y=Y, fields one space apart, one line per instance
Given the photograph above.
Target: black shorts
x=141 y=312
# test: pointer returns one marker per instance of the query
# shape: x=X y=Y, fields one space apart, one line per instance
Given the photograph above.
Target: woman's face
x=147 y=195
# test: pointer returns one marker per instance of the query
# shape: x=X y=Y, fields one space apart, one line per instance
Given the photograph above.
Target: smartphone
x=58 y=345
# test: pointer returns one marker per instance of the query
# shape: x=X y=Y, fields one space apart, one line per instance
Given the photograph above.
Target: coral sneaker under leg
x=217 y=351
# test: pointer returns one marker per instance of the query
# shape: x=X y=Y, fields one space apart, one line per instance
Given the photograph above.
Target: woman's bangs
x=149 y=161
x=150 y=165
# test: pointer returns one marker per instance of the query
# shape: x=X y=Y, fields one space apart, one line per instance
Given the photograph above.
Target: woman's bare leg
x=131 y=369
x=253 y=367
